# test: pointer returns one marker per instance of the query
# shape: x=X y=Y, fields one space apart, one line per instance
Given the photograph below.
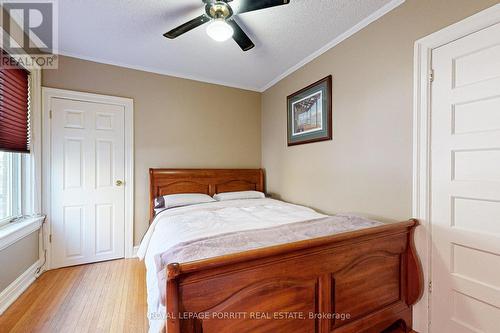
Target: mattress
x=211 y=229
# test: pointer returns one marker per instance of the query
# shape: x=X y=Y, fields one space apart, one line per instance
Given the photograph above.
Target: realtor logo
x=29 y=32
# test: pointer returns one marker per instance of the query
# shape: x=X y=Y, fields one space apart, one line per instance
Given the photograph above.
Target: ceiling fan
x=222 y=25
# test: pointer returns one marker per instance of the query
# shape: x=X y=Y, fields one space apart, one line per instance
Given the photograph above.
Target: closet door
x=87 y=188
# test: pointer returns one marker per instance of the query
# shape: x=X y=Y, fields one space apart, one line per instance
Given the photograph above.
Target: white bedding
x=177 y=225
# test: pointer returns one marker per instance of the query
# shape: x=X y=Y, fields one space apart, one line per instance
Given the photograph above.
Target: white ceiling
x=129 y=33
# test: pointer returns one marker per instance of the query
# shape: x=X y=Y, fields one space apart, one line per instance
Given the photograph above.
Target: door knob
x=119 y=182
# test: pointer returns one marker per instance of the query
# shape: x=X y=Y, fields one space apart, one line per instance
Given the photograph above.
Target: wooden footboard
x=361 y=281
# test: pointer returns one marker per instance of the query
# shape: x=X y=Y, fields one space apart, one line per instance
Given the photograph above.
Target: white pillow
x=239 y=195
x=185 y=199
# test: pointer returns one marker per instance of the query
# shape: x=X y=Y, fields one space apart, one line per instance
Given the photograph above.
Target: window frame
x=21 y=164
x=28 y=191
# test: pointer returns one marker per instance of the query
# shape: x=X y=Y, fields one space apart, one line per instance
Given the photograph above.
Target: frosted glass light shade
x=219 y=30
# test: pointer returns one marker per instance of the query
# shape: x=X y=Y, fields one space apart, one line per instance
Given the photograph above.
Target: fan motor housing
x=218 y=10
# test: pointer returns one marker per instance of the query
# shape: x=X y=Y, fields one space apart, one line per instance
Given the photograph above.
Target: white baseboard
x=136 y=248
x=16 y=288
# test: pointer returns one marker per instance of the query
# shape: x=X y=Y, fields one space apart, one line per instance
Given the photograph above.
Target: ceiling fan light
x=219 y=30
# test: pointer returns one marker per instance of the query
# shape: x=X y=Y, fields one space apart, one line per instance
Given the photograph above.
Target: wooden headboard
x=206 y=181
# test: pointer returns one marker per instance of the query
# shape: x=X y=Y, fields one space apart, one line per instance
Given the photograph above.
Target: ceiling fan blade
x=241 y=37
x=251 y=5
x=174 y=33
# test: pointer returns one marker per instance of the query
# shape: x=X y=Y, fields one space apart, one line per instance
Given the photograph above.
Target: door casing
x=421 y=142
x=128 y=105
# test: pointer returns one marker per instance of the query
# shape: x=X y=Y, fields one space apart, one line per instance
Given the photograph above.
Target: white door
x=87 y=198
x=465 y=173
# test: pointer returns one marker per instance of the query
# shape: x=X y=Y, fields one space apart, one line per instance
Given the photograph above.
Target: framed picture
x=310 y=113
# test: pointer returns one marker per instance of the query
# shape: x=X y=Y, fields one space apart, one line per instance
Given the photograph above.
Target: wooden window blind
x=14 y=106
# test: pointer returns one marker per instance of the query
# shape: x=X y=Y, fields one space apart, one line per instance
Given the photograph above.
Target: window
x=10 y=186
x=14 y=136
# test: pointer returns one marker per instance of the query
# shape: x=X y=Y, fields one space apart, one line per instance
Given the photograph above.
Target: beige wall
x=17 y=258
x=367 y=168
x=178 y=123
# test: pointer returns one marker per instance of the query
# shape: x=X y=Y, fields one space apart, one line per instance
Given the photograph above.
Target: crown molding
x=158 y=71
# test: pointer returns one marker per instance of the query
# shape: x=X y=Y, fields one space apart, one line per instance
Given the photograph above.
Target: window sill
x=14 y=231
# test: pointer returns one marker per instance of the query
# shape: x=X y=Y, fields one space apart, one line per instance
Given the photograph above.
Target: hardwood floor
x=102 y=297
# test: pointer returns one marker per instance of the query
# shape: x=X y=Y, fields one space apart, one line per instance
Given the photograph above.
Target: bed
x=298 y=271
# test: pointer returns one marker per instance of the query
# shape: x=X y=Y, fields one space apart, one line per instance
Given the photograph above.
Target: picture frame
x=309 y=113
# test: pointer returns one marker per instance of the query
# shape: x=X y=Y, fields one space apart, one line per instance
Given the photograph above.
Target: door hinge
x=431 y=75
x=50 y=114
x=50 y=238
x=430 y=287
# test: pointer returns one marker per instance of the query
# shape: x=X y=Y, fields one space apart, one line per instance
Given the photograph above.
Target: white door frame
x=422 y=141
x=128 y=105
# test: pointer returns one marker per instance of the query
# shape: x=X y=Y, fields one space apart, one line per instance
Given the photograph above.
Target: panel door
x=87 y=198
x=465 y=173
